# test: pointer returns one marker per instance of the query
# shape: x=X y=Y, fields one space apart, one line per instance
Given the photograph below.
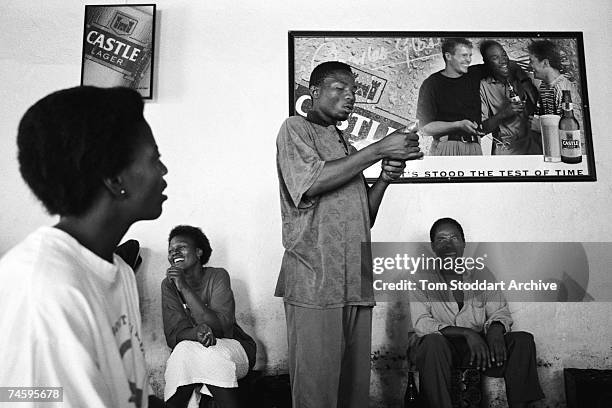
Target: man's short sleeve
x=484 y=101
x=426 y=106
x=299 y=163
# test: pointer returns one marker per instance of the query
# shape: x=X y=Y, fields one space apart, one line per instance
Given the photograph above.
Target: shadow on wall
x=246 y=319
x=389 y=362
x=148 y=278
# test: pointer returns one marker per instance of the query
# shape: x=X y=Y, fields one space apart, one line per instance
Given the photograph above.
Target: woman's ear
x=115 y=186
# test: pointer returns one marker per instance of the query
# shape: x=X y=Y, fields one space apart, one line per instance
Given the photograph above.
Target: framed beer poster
x=488 y=106
x=118 y=44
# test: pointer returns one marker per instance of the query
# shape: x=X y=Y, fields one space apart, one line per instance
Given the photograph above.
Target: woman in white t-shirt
x=69 y=306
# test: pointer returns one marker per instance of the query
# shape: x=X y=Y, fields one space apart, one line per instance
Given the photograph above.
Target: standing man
x=468 y=328
x=545 y=60
x=449 y=105
x=327 y=211
x=506 y=119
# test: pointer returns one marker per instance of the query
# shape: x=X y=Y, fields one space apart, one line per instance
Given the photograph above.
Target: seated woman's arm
x=200 y=312
x=177 y=325
x=218 y=314
x=222 y=301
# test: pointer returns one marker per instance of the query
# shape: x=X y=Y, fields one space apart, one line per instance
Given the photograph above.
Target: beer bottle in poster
x=569 y=132
x=512 y=95
x=411 y=398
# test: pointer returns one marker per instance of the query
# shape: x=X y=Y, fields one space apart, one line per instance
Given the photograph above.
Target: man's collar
x=450 y=73
x=557 y=79
x=314 y=117
x=492 y=80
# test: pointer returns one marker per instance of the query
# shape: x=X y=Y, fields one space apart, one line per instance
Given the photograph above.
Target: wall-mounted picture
x=118 y=44
x=489 y=106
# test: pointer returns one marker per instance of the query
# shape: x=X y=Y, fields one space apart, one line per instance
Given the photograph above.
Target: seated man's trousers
x=436 y=355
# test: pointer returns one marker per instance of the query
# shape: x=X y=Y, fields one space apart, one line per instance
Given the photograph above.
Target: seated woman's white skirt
x=221 y=365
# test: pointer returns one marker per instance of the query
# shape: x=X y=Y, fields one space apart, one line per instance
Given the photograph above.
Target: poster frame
x=143 y=64
x=493 y=174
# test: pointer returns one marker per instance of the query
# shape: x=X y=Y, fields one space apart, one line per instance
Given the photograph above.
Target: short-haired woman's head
x=197 y=238
x=71 y=140
x=546 y=49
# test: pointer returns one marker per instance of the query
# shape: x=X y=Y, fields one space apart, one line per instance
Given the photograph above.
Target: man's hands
x=512 y=109
x=479 y=352
x=400 y=145
x=497 y=345
x=489 y=353
x=392 y=169
x=204 y=335
x=467 y=126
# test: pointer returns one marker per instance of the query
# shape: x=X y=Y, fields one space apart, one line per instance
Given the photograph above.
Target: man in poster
x=327 y=211
x=449 y=105
x=545 y=60
x=506 y=106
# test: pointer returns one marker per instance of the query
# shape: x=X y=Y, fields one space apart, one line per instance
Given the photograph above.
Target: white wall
x=221 y=94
